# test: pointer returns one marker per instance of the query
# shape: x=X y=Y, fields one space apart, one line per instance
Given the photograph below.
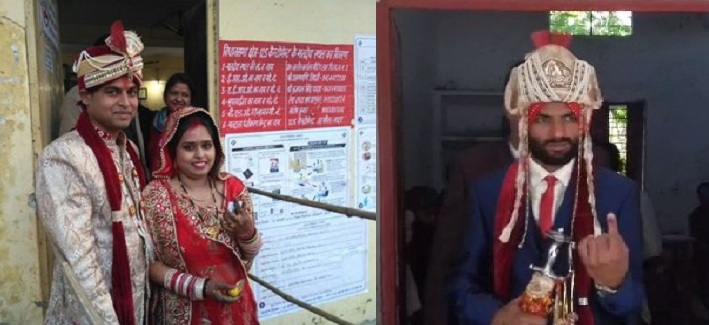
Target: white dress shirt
x=537 y=185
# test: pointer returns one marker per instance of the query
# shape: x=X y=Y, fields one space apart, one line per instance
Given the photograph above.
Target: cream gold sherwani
x=75 y=210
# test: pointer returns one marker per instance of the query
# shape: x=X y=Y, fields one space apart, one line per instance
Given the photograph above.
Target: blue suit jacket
x=470 y=285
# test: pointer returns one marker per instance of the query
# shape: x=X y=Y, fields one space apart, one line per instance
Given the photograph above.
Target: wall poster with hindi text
x=287 y=111
x=271 y=86
x=314 y=255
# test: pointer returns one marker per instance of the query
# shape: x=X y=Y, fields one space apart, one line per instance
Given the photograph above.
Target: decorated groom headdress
x=551 y=73
x=120 y=56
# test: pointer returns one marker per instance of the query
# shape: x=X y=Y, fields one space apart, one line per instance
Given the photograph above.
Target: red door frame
x=387 y=127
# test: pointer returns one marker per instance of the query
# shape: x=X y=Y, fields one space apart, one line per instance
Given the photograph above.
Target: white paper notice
x=49 y=19
x=366 y=126
x=366 y=179
x=365 y=79
x=314 y=255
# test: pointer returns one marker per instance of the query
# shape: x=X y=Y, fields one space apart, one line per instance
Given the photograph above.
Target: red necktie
x=546 y=209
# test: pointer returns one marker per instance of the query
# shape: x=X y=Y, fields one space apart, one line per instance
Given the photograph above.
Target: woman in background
x=177 y=94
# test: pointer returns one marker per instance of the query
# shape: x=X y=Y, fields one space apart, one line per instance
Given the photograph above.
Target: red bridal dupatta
x=186 y=239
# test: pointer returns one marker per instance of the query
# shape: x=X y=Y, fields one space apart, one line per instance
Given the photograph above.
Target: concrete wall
x=663 y=63
x=29 y=89
x=308 y=21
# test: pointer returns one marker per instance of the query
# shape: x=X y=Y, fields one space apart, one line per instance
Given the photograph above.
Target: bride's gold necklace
x=211 y=226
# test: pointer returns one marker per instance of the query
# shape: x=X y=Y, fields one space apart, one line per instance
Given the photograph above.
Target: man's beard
x=538 y=151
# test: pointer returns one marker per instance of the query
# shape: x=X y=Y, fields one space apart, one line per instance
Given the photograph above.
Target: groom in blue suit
x=553 y=186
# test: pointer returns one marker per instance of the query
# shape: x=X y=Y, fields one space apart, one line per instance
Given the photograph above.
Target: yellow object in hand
x=234 y=292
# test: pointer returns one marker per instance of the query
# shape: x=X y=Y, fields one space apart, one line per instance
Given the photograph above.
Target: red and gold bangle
x=185 y=284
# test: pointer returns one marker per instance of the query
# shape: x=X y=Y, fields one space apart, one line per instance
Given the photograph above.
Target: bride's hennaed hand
x=217 y=290
x=239 y=224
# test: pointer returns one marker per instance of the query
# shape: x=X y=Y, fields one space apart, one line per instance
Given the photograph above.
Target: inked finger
x=612 y=224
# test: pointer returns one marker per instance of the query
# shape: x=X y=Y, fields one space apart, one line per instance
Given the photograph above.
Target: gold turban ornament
x=119 y=57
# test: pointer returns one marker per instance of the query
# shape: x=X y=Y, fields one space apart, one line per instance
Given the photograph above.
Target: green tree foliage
x=599 y=23
x=620 y=113
x=571 y=22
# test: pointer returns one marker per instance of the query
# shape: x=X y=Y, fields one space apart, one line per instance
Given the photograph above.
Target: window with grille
x=618 y=132
x=592 y=23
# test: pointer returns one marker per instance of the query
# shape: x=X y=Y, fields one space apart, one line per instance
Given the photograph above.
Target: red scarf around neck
x=504 y=253
x=121 y=287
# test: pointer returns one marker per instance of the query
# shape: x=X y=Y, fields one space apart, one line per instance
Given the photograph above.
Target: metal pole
x=350 y=212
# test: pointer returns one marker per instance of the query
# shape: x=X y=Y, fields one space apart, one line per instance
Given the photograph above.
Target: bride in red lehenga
x=202 y=226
